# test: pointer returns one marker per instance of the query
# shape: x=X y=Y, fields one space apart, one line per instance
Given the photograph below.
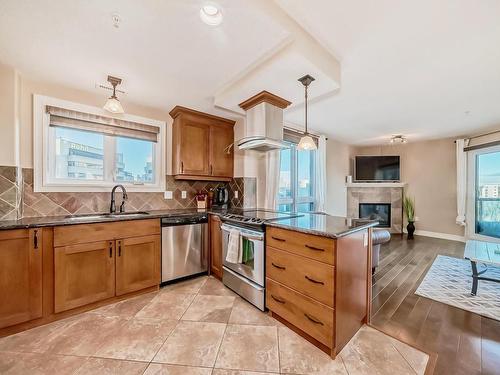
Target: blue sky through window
x=489 y=168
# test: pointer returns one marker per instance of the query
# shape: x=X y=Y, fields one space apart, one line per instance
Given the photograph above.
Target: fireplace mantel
x=376 y=184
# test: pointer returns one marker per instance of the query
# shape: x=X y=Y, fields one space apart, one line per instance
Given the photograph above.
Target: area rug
x=449 y=281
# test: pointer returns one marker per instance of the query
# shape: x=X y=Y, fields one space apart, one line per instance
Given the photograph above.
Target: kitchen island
x=318 y=277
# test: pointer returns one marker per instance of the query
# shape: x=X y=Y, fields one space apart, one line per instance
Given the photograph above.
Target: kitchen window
x=81 y=148
x=296 y=180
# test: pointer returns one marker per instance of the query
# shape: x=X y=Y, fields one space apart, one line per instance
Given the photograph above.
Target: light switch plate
x=184 y=194
x=168 y=195
x=236 y=193
x=365 y=239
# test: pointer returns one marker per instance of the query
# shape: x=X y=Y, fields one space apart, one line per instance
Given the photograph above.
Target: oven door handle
x=244 y=233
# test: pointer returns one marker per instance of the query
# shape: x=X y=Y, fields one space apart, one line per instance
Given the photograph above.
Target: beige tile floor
x=197 y=327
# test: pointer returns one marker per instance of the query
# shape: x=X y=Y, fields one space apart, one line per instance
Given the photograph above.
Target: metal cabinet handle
x=312 y=319
x=278 y=267
x=35 y=239
x=279 y=300
x=314 y=248
x=110 y=249
x=119 y=248
x=211 y=169
x=182 y=167
x=278 y=239
x=314 y=281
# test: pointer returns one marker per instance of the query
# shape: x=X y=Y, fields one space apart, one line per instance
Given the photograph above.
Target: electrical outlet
x=168 y=195
x=236 y=193
x=184 y=194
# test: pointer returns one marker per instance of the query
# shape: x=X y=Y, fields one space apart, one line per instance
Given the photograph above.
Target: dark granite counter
x=52 y=221
x=323 y=225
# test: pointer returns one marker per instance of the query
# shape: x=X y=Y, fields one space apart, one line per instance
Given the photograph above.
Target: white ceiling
x=406 y=67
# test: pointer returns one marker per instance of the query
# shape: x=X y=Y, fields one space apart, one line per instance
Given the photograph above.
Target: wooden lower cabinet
x=319 y=286
x=20 y=276
x=137 y=263
x=83 y=273
x=215 y=246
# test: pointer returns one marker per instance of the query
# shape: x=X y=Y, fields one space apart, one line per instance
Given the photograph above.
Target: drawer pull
x=314 y=320
x=314 y=248
x=278 y=239
x=279 y=300
x=314 y=281
x=278 y=267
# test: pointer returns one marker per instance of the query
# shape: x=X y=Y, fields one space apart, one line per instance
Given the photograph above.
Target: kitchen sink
x=106 y=215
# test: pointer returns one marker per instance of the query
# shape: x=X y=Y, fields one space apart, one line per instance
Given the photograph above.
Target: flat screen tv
x=377 y=169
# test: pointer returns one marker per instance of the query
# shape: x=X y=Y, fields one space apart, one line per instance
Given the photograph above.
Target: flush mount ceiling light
x=211 y=14
x=113 y=105
x=398 y=139
x=306 y=142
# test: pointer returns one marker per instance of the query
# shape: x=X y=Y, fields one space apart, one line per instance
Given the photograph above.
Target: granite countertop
x=323 y=225
x=52 y=221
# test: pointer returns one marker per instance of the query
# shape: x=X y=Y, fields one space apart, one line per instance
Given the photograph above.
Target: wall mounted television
x=377 y=168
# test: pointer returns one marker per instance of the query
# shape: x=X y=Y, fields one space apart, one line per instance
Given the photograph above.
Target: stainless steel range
x=247 y=278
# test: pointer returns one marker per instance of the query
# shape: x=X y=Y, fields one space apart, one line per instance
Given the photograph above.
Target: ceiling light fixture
x=306 y=142
x=398 y=139
x=211 y=14
x=113 y=105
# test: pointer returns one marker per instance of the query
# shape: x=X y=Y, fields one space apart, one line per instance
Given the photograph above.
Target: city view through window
x=488 y=194
x=295 y=191
x=80 y=155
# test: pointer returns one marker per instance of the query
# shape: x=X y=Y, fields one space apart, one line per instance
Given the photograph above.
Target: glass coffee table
x=486 y=253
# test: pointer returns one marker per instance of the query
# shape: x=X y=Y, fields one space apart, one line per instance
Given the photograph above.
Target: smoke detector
x=116 y=20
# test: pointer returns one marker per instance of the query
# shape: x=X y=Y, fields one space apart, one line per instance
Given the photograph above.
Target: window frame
x=471 y=194
x=43 y=140
x=295 y=200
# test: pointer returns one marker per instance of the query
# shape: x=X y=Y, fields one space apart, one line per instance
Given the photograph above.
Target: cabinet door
x=20 y=276
x=83 y=274
x=194 y=149
x=137 y=263
x=221 y=162
x=215 y=246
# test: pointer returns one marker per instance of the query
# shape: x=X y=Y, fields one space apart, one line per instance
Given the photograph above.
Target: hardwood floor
x=466 y=343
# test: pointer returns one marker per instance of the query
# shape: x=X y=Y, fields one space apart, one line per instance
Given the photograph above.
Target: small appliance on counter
x=201 y=200
x=221 y=198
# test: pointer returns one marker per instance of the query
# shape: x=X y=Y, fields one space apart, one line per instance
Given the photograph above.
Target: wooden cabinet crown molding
x=180 y=110
x=264 y=97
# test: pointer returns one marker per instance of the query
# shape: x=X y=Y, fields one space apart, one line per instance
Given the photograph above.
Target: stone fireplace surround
x=377 y=193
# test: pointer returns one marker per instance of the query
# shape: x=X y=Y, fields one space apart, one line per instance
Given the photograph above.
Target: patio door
x=483 y=201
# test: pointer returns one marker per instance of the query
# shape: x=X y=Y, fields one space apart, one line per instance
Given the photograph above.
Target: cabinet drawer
x=310 y=277
x=303 y=312
x=315 y=247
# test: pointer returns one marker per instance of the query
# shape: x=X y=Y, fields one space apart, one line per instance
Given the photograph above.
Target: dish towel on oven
x=233 y=247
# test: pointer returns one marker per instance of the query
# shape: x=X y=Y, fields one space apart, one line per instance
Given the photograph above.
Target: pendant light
x=113 y=105
x=306 y=142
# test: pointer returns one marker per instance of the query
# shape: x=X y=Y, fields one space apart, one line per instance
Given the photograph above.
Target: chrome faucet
x=112 y=207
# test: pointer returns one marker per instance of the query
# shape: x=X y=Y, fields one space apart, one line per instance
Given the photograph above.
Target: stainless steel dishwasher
x=184 y=247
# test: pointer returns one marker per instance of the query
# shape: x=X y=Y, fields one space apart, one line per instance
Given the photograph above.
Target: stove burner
x=257 y=218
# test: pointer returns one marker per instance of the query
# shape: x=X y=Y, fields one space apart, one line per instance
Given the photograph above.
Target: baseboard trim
x=443 y=236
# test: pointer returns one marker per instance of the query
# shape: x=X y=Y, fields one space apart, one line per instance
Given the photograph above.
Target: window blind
x=293 y=136
x=60 y=117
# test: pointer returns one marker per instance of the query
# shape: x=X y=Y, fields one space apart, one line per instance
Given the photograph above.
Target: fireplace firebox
x=376 y=211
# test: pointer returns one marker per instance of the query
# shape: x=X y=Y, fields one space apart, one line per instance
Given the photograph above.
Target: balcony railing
x=488 y=217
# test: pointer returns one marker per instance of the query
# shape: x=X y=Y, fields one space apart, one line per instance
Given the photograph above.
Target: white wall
x=338 y=160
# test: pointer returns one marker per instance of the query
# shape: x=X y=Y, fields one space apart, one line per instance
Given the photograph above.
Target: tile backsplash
x=17 y=198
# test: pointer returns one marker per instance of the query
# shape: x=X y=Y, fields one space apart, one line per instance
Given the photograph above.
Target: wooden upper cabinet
x=137 y=263
x=199 y=144
x=83 y=274
x=194 y=149
x=221 y=160
x=21 y=276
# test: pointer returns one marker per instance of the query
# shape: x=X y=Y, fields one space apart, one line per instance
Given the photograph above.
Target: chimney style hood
x=264 y=122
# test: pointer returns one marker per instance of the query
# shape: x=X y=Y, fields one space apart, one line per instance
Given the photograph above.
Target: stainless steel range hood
x=264 y=123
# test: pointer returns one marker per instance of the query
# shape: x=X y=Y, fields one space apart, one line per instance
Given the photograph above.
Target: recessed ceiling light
x=211 y=15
